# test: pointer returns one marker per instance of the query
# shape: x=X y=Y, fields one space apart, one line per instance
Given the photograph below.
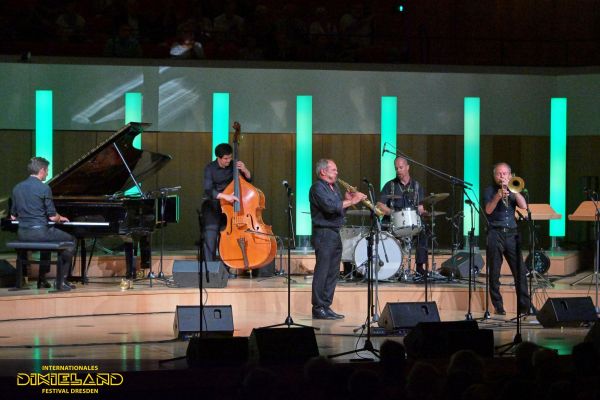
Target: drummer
x=400 y=193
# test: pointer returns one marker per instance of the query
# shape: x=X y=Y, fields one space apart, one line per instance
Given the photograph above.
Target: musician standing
x=33 y=207
x=217 y=175
x=503 y=238
x=400 y=193
x=327 y=210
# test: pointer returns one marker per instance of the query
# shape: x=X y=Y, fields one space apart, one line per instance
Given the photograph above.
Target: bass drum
x=541 y=262
x=350 y=237
x=389 y=252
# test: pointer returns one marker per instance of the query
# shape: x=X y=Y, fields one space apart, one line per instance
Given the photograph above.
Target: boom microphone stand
x=288 y=320
x=368 y=346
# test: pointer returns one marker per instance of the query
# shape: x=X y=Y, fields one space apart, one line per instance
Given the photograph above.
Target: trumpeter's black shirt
x=502 y=216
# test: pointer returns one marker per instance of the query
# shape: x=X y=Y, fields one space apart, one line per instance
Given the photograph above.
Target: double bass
x=246 y=241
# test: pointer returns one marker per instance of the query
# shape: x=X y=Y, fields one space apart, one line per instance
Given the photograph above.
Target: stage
x=133 y=329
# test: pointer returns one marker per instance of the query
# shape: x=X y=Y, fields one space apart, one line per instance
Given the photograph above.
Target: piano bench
x=23 y=259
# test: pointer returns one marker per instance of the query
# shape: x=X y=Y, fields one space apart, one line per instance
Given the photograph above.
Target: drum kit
x=394 y=241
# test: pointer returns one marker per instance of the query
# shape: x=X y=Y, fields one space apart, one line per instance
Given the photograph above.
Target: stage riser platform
x=561 y=264
x=244 y=296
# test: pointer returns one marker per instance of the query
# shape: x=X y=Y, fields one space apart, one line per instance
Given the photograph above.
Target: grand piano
x=91 y=193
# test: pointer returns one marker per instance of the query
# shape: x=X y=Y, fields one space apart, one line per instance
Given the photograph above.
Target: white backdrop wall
x=179 y=98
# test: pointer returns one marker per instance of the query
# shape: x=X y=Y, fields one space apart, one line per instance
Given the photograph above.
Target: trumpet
x=366 y=202
x=516 y=184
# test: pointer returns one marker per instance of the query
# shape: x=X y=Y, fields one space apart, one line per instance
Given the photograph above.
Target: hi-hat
x=435 y=214
x=434 y=198
x=360 y=213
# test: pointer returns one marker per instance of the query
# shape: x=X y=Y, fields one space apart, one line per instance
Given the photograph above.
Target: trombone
x=516 y=184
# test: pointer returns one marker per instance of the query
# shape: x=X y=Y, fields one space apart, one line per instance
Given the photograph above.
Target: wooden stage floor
x=133 y=329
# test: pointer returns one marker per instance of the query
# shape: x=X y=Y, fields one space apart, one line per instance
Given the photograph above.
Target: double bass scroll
x=246 y=241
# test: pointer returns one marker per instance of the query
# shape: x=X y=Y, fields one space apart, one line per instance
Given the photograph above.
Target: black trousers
x=507 y=244
x=50 y=234
x=328 y=251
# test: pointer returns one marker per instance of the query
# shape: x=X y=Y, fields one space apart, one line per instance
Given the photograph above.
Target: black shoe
x=69 y=284
x=63 y=288
x=43 y=284
x=332 y=313
x=499 y=311
x=321 y=313
x=523 y=310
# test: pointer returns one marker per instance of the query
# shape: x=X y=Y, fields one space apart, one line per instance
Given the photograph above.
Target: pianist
x=33 y=207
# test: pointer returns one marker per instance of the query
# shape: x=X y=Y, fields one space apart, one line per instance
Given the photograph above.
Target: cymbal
x=434 y=198
x=360 y=213
x=435 y=214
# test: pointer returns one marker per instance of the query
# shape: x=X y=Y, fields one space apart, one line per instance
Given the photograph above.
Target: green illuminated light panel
x=133 y=113
x=304 y=169
x=220 y=133
x=389 y=118
x=43 y=126
x=558 y=163
x=471 y=159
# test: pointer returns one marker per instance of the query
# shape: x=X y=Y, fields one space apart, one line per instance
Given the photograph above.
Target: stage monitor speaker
x=216 y=321
x=567 y=311
x=442 y=339
x=185 y=274
x=8 y=275
x=283 y=345
x=407 y=315
x=458 y=266
x=210 y=351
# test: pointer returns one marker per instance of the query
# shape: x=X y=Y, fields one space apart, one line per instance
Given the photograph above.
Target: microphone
x=383 y=151
x=365 y=180
x=468 y=202
x=287 y=187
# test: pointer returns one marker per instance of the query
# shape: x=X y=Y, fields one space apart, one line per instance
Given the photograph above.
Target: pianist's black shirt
x=32 y=203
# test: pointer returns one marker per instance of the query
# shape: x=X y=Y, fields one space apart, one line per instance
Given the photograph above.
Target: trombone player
x=503 y=238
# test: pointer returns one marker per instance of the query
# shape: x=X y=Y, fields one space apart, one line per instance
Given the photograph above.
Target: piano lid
x=101 y=171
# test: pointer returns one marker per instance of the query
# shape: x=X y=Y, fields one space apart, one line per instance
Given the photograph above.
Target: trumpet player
x=327 y=210
x=503 y=238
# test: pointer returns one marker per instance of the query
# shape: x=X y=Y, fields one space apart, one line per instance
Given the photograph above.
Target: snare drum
x=388 y=251
x=405 y=222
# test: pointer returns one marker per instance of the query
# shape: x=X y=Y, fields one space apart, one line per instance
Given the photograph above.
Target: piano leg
x=129 y=260
x=145 y=252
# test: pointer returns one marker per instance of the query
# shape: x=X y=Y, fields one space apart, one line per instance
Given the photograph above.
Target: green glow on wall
x=304 y=167
x=220 y=133
x=471 y=159
x=43 y=126
x=389 y=119
x=133 y=113
x=558 y=163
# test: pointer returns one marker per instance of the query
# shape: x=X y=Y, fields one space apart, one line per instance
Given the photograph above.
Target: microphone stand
x=288 y=320
x=368 y=345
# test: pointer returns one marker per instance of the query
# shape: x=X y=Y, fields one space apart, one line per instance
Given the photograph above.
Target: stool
x=23 y=260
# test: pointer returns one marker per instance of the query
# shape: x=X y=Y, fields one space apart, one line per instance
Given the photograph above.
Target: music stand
x=586 y=212
x=536 y=212
x=288 y=320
